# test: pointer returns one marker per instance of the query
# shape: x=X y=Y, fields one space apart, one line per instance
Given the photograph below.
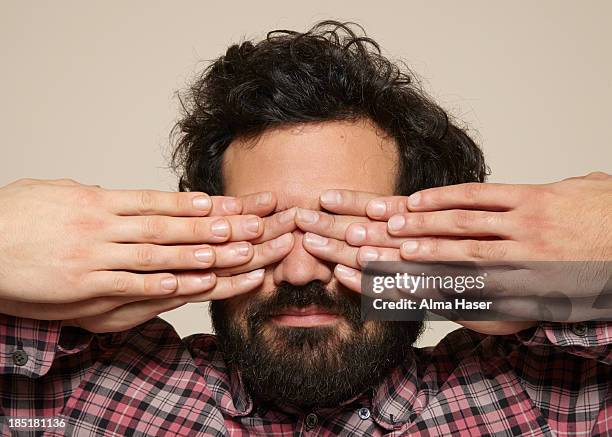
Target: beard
x=313 y=367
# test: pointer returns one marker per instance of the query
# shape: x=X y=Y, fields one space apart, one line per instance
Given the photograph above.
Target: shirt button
x=311 y=420
x=580 y=329
x=20 y=357
x=363 y=413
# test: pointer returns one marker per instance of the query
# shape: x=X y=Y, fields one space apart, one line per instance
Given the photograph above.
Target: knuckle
x=598 y=175
x=24 y=181
x=475 y=250
x=120 y=284
x=264 y=251
x=153 y=228
x=145 y=255
x=472 y=191
x=489 y=220
x=87 y=196
x=500 y=252
x=399 y=206
x=149 y=284
x=330 y=221
x=416 y=221
x=484 y=250
x=180 y=201
x=462 y=220
x=431 y=247
x=196 y=228
x=146 y=202
x=235 y=282
x=68 y=181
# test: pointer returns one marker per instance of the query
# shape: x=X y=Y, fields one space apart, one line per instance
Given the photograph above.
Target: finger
x=349 y=277
x=260 y=204
x=382 y=208
x=265 y=254
x=440 y=249
x=231 y=286
x=233 y=254
x=277 y=225
x=129 y=284
x=371 y=234
x=330 y=249
x=152 y=202
x=457 y=222
x=151 y=257
x=223 y=288
x=367 y=254
x=183 y=230
x=245 y=227
x=346 y=202
x=328 y=225
x=493 y=197
x=132 y=314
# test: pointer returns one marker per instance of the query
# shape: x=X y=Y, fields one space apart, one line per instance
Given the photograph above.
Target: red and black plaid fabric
x=551 y=380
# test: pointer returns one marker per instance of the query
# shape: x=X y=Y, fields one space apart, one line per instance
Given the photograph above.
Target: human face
x=318 y=333
x=298 y=163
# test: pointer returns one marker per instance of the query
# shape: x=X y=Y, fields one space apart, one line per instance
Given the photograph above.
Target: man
x=331 y=137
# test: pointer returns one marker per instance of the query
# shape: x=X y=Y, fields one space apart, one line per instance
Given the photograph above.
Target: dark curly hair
x=331 y=72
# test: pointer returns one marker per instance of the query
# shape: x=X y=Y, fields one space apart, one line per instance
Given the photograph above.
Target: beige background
x=87 y=88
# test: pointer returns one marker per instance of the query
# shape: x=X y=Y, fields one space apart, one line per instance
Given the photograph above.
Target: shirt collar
x=391 y=402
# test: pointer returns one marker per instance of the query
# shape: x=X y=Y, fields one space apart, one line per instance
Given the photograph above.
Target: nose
x=300 y=267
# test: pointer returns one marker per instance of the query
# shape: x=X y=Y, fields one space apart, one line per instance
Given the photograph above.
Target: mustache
x=338 y=300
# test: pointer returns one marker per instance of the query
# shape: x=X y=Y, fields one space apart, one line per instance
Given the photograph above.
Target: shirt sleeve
x=592 y=340
x=28 y=347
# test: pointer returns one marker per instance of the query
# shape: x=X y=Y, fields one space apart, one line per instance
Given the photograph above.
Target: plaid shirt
x=551 y=380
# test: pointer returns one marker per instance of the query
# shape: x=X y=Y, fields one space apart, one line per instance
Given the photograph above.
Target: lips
x=305 y=317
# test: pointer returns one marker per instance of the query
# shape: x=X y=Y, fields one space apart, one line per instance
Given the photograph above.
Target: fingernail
x=344 y=270
x=252 y=224
x=410 y=246
x=232 y=206
x=204 y=255
x=201 y=202
x=255 y=274
x=206 y=278
x=368 y=254
x=414 y=199
x=357 y=233
x=281 y=241
x=287 y=216
x=263 y=199
x=220 y=228
x=331 y=197
x=376 y=208
x=240 y=249
x=315 y=240
x=396 y=222
x=169 y=284
x=307 y=216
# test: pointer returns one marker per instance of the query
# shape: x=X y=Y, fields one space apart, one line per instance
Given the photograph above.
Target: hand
x=554 y=239
x=111 y=315
x=94 y=249
x=568 y=220
x=350 y=240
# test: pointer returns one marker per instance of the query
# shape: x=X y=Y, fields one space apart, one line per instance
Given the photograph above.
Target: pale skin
x=92 y=257
x=531 y=222
x=96 y=260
